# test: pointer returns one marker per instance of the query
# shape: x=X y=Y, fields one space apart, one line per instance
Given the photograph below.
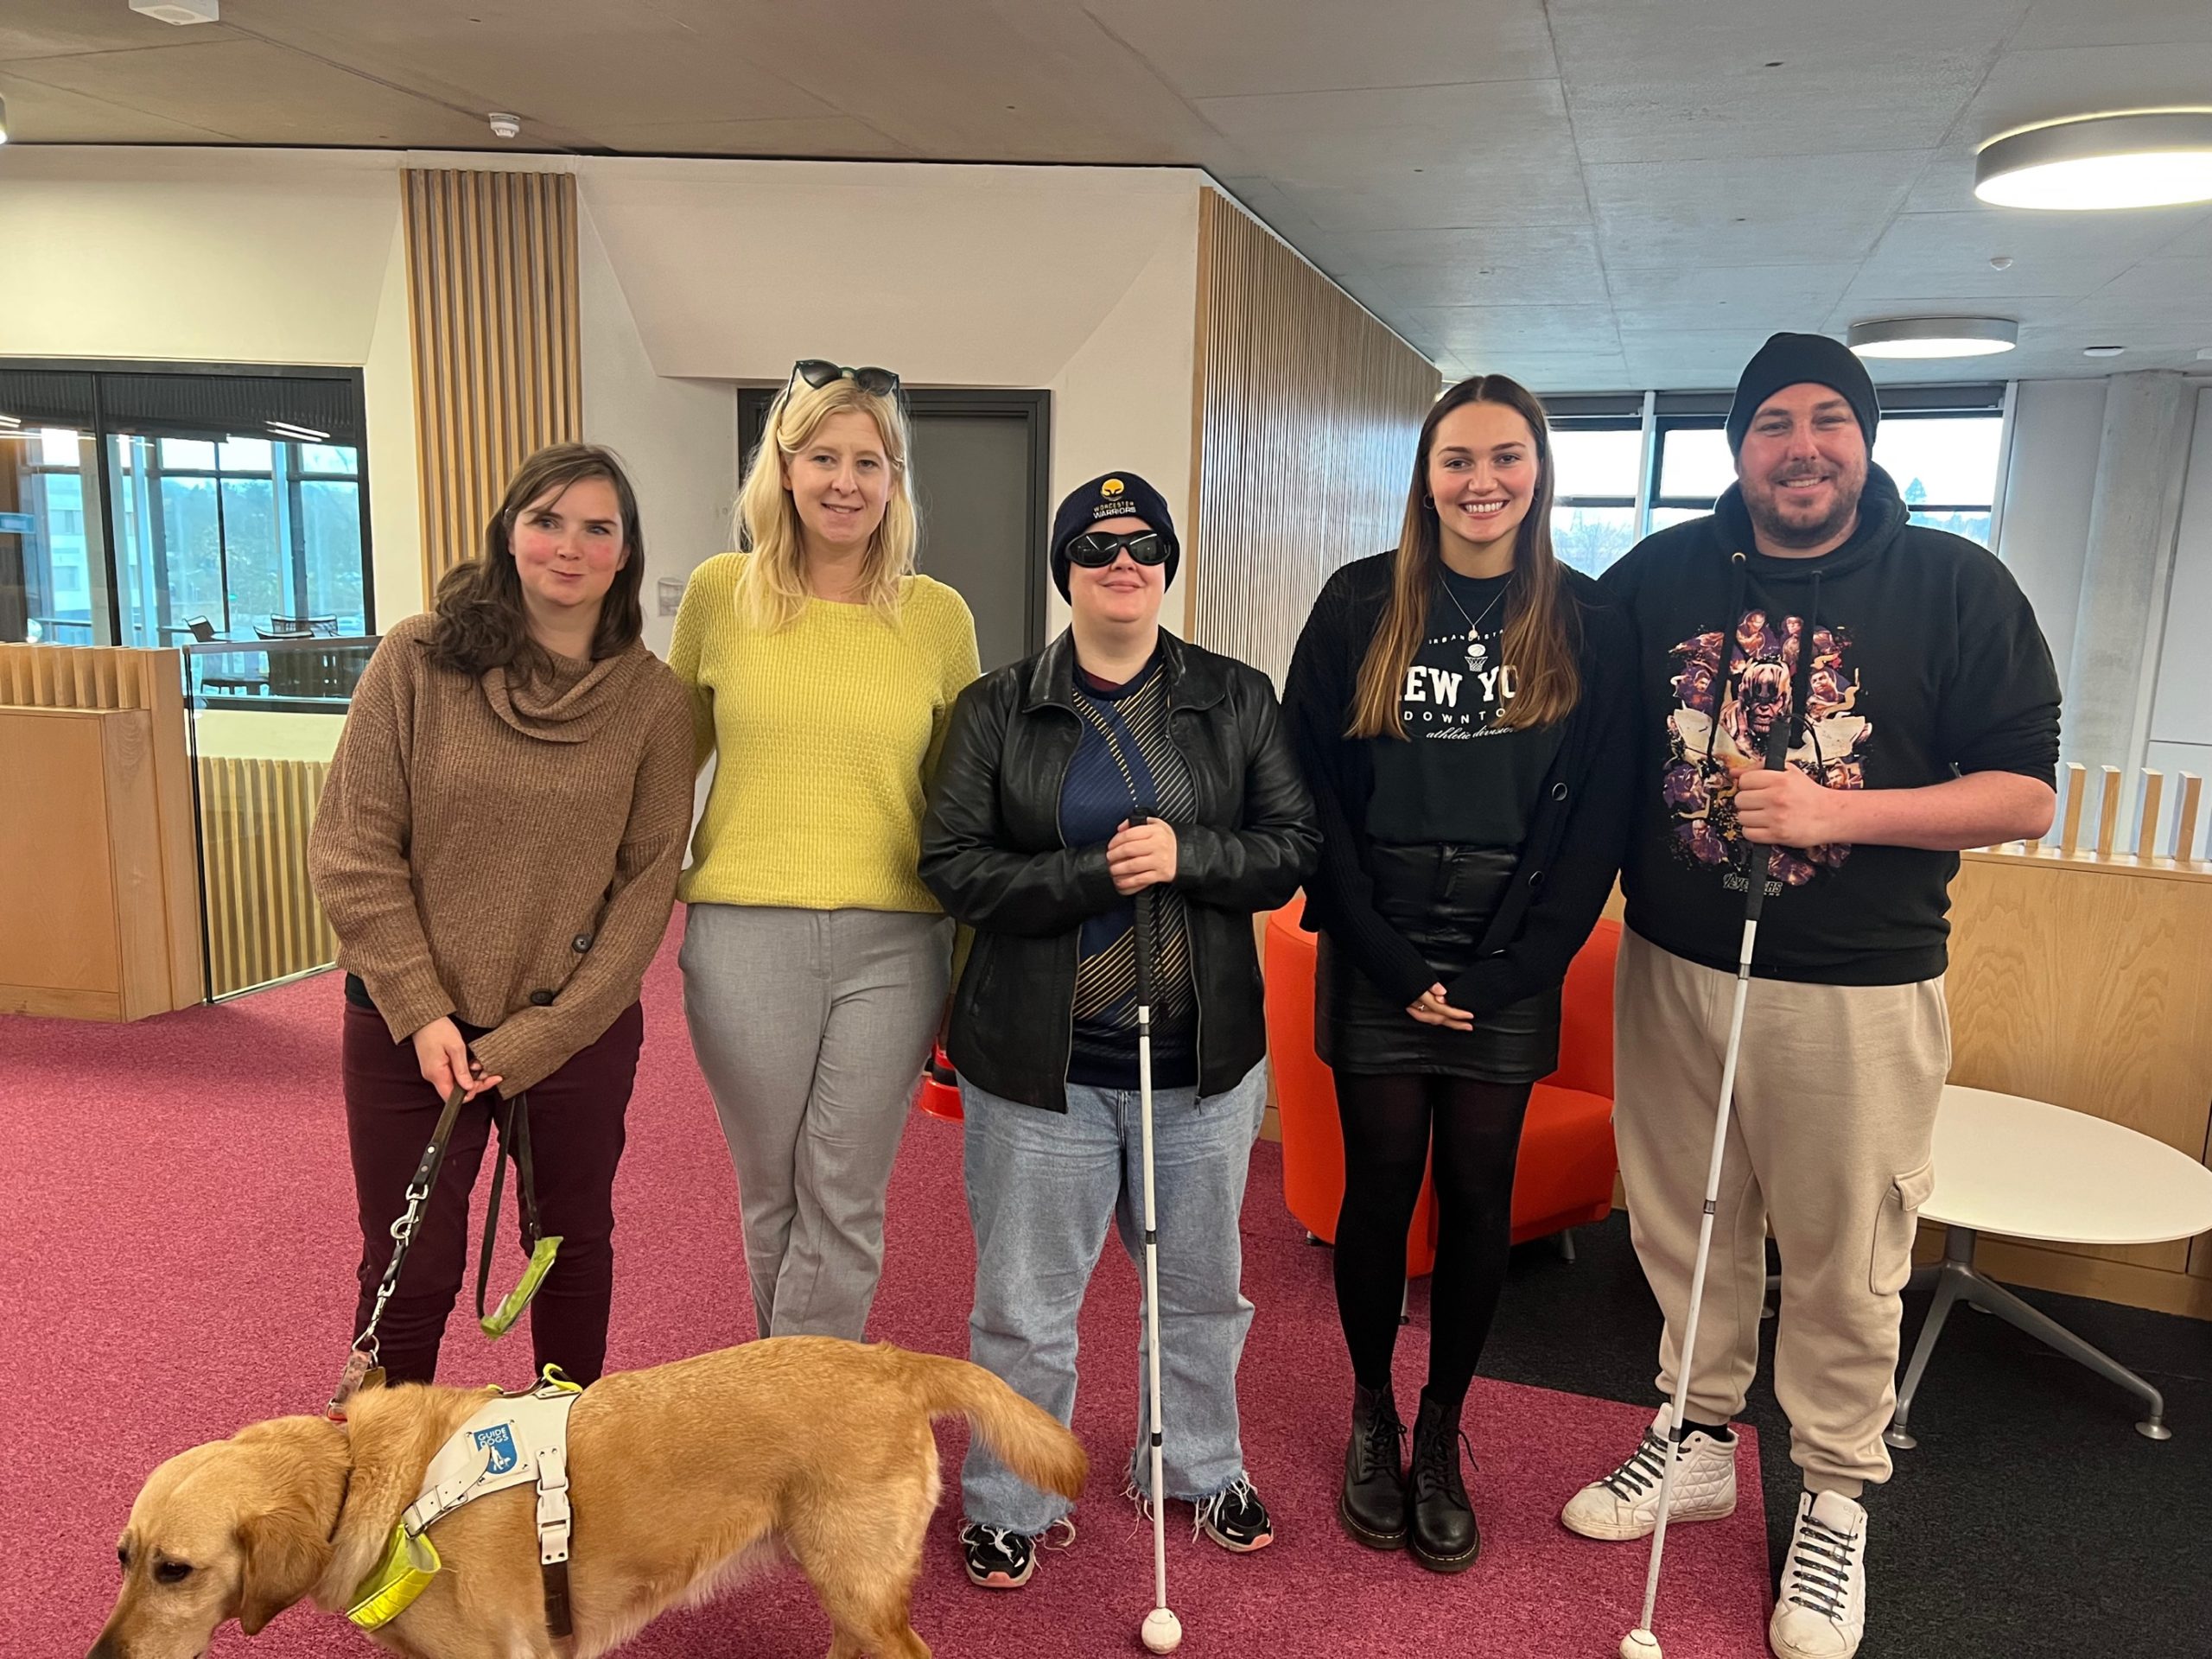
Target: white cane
x=1162 y=1632
x=1640 y=1643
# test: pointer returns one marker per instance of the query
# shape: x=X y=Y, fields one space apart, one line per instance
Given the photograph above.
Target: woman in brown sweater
x=497 y=849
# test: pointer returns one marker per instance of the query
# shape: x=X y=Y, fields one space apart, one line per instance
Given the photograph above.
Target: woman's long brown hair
x=481 y=622
x=1540 y=621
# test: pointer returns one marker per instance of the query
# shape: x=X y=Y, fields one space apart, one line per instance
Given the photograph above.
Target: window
x=1945 y=465
x=1693 y=465
x=235 y=501
x=1595 y=458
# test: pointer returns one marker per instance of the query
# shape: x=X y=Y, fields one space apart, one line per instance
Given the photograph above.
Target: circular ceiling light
x=2104 y=351
x=2151 y=158
x=1934 y=336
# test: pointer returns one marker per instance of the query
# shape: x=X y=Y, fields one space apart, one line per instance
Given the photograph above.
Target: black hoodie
x=1925 y=664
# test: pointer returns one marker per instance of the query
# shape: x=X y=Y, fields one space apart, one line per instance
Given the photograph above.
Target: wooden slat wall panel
x=499 y=359
x=1306 y=412
x=262 y=919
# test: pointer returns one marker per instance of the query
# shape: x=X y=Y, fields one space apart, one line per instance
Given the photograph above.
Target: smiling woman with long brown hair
x=1460 y=705
x=497 y=849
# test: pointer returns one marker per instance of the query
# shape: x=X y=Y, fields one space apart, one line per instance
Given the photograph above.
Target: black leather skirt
x=1440 y=897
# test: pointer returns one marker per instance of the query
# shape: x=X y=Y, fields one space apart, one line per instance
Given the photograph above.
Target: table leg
x=1951 y=1281
x=1995 y=1299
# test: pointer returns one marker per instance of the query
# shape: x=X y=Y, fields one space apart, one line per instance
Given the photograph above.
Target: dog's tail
x=1027 y=1439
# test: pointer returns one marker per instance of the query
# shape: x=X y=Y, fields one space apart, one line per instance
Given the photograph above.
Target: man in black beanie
x=1920 y=710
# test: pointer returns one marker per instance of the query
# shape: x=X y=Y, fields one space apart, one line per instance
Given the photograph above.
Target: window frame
x=100 y=480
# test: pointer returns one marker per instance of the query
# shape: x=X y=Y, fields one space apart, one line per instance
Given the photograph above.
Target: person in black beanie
x=1921 y=709
x=1118 y=766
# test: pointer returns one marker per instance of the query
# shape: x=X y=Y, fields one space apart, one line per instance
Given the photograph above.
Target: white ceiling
x=1591 y=194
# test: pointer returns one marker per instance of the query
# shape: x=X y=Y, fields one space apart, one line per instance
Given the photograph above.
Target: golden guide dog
x=679 y=1475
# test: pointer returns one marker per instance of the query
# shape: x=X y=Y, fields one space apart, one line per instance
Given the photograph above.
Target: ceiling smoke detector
x=505 y=126
x=180 y=12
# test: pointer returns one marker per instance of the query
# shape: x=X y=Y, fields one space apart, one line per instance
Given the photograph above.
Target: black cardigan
x=1576 y=838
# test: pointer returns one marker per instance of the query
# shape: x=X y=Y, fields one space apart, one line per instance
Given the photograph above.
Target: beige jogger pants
x=1829 y=1146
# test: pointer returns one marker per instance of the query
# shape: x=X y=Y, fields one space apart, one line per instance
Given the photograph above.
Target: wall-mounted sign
x=17 y=524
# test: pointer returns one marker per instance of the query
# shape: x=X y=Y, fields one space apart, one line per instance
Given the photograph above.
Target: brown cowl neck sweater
x=503 y=851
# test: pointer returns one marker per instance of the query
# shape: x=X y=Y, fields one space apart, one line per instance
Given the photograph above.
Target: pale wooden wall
x=2082 y=974
x=1306 y=411
x=263 y=921
x=97 y=883
x=498 y=342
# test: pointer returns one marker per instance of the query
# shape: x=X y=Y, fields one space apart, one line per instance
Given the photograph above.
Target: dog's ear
x=283 y=1552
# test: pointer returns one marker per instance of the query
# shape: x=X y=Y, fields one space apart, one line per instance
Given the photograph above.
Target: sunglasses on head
x=1094 y=549
x=819 y=371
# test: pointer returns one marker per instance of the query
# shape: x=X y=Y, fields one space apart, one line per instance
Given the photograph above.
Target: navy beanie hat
x=1791 y=359
x=1111 y=495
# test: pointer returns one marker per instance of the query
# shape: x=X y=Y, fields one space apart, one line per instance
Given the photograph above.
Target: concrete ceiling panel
x=1225 y=47
x=225 y=86
x=38 y=114
x=1757 y=210
x=2113 y=22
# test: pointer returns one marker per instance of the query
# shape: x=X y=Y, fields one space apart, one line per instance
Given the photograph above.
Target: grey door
x=980 y=468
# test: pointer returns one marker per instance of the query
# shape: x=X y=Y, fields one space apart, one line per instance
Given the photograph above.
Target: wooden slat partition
x=499 y=360
x=110 y=678
x=2082 y=974
x=262 y=919
x=1305 y=413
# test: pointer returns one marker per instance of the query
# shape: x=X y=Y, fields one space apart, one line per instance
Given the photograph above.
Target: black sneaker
x=997 y=1559
x=1235 y=1519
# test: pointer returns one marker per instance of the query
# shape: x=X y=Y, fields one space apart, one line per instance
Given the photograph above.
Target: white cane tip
x=1163 y=1631
x=1639 y=1645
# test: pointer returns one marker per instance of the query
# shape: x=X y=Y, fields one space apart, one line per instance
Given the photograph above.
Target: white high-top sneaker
x=1625 y=1504
x=1822 y=1612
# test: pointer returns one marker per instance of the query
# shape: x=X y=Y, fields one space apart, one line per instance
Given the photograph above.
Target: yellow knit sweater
x=823 y=734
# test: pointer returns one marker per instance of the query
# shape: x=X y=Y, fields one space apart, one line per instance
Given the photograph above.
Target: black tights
x=1386 y=1126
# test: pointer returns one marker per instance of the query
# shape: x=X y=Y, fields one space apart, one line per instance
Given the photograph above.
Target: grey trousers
x=811 y=1026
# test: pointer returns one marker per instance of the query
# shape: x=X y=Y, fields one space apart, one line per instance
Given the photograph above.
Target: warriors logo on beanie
x=1111 y=495
x=1793 y=359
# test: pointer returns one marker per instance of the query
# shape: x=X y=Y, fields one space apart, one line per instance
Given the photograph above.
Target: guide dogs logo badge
x=499 y=1442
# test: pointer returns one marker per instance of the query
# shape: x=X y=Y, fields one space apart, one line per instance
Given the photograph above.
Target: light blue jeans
x=1041 y=1187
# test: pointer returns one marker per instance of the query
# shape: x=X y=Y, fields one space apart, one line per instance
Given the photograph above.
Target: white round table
x=2031 y=1170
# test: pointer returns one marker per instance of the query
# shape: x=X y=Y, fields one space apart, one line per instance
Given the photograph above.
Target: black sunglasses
x=818 y=371
x=1094 y=549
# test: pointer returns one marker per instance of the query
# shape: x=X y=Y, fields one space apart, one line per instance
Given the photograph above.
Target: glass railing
x=261 y=722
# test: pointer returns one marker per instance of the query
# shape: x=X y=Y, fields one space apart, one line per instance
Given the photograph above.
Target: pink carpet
x=176 y=1247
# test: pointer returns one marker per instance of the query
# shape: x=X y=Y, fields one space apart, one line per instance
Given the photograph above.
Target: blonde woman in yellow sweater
x=824 y=671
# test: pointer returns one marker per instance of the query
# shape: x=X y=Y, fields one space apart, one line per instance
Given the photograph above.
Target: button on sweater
x=474 y=829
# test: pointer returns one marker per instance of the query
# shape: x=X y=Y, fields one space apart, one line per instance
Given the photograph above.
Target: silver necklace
x=1478 y=653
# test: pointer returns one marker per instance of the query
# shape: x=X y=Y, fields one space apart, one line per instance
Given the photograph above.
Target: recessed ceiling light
x=2149 y=158
x=2000 y=262
x=1934 y=336
x=183 y=12
x=2102 y=351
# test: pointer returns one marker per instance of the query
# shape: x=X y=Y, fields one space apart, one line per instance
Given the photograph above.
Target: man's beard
x=1767 y=520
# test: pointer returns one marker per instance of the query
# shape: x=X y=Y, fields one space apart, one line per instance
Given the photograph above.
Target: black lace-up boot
x=1444 y=1536
x=1373 y=1504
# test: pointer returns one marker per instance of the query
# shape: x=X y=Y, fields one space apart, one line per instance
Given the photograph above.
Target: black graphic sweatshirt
x=1913 y=656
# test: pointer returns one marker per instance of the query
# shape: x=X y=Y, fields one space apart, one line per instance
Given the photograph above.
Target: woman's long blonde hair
x=773 y=590
x=1541 y=621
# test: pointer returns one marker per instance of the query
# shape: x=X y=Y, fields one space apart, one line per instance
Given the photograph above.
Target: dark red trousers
x=576 y=1135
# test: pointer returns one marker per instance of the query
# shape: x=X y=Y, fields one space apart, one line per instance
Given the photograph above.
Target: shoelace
x=997 y=1537
x=1820 y=1568
x=1386 y=1439
x=1434 y=1465
x=1240 y=1489
x=1641 y=1472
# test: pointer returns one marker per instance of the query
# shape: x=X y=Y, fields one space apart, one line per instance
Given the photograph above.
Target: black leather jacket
x=992 y=854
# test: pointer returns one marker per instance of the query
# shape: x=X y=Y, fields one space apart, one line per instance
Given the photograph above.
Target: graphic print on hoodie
x=1733 y=687
x=1925 y=664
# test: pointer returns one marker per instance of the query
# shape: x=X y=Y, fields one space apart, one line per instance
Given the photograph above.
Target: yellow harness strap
x=404 y=1574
